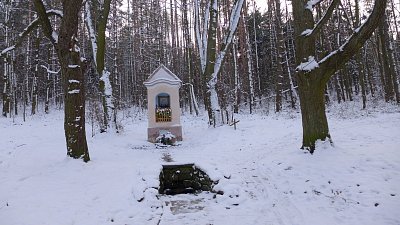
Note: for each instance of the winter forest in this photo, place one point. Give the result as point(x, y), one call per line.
point(276, 70)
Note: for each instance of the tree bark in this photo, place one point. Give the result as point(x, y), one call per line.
point(312, 99)
point(74, 107)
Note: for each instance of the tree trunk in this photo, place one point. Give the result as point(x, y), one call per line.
point(35, 76)
point(370, 77)
point(74, 107)
point(337, 88)
point(6, 80)
point(211, 96)
point(279, 57)
point(312, 99)
point(362, 80)
point(6, 89)
point(236, 78)
point(361, 67)
point(74, 92)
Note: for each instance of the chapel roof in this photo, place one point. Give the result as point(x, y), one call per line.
point(162, 75)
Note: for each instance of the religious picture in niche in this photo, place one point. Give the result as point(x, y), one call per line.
point(163, 101)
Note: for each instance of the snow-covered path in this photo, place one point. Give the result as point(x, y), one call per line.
point(265, 178)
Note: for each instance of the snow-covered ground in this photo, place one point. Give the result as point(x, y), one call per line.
point(265, 177)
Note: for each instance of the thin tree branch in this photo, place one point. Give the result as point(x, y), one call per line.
point(347, 17)
point(32, 26)
point(45, 22)
point(317, 28)
point(337, 58)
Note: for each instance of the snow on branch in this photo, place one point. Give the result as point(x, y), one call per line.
point(75, 91)
point(336, 58)
point(55, 12)
point(54, 34)
point(74, 81)
point(43, 17)
point(323, 19)
point(7, 50)
point(311, 64)
point(48, 70)
point(34, 24)
point(73, 66)
point(312, 3)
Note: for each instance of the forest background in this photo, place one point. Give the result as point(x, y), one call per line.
point(258, 73)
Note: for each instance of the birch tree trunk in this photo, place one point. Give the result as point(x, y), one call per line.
point(98, 40)
point(211, 59)
point(249, 62)
point(236, 79)
point(211, 97)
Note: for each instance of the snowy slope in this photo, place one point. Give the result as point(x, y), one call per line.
point(266, 179)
